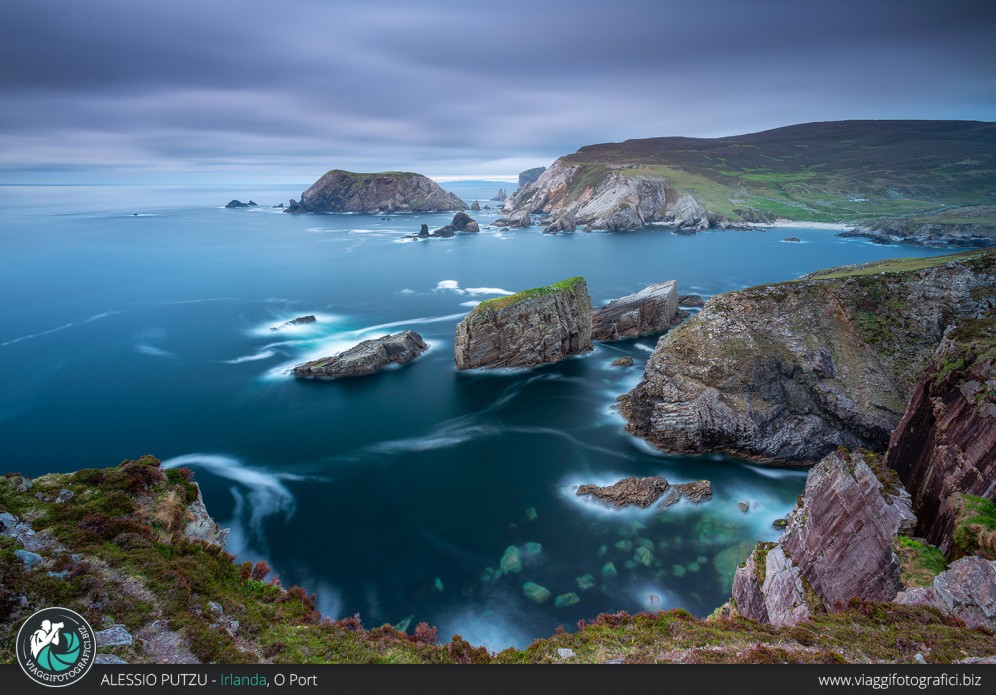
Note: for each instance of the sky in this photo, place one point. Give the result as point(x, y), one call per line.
point(254, 90)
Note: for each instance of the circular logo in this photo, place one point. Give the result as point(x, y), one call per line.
point(55, 647)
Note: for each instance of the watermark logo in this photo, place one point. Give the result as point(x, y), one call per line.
point(55, 647)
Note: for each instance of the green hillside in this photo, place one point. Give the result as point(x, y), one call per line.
point(935, 171)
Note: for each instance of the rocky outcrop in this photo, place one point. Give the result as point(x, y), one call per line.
point(945, 445)
point(201, 526)
point(423, 232)
point(639, 492)
point(475, 205)
point(966, 590)
point(691, 300)
point(520, 218)
point(651, 310)
point(906, 230)
point(597, 196)
point(240, 204)
point(501, 195)
point(643, 492)
point(538, 326)
point(788, 372)
point(299, 321)
point(368, 357)
point(838, 545)
point(391, 191)
point(462, 222)
point(529, 175)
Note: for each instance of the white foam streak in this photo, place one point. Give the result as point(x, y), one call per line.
point(153, 350)
point(265, 354)
point(95, 317)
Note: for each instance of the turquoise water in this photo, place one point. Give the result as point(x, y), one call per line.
point(136, 320)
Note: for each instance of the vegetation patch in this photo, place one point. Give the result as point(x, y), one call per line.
point(975, 527)
point(920, 562)
point(499, 303)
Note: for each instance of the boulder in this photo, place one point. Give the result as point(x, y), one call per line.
point(390, 191)
point(29, 559)
point(462, 222)
point(838, 544)
point(622, 362)
point(538, 326)
point(368, 357)
point(651, 310)
point(116, 636)
point(966, 590)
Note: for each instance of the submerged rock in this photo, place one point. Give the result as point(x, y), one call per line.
point(585, 582)
point(511, 560)
point(535, 592)
point(391, 191)
point(534, 327)
point(651, 310)
point(565, 600)
point(368, 357)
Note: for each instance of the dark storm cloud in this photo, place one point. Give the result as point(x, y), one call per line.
point(460, 87)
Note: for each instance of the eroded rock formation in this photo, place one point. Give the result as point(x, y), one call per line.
point(651, 310)
point(366, 358)
point(390, 191)
point(538, 326)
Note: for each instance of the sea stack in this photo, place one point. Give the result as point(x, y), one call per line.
point(538, 326)
point(388, 191)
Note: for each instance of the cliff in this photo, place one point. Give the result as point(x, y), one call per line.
point(879, 175)
point(838, 544)
point(538, 326)
point(945, 445)
point(388, 191)
point(790, 371)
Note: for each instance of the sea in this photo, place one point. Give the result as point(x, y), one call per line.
point(149, 320)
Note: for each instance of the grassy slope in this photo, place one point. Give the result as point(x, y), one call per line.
point(502, 302)
point(903, 265)
point(940, 171)
point(133, 566)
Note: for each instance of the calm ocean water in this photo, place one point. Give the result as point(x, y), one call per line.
point(136, 320)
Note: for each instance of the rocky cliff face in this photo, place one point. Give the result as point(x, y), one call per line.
point(597, 196)
point(529, 175)
point(368, 357)
point(788, 372)
point(392, 191)
point(945, 444)
point(910, 231)
point(838, 544)
point(530, 328)
point(651, 310)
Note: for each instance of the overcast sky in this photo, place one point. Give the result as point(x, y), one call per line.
point(252, 90)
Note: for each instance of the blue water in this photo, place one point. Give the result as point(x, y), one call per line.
point(136, 320)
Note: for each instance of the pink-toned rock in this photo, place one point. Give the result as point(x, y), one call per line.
point(966, 590)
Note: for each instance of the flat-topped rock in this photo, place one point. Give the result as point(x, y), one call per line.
point(537, 326)
point(388, 191)
point(643, 492)
point(651, 310)
point(368, 357)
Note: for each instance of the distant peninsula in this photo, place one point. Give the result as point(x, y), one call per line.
point(386, 191)
point(927, 182)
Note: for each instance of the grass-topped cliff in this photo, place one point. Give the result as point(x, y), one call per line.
point(923, 173)
point(836, 171)
point(116, 552)
point(787, 372)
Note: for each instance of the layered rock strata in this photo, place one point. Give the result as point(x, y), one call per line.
point(838, 544)
point(538, 326)
point(651, 310)
point(368, 357)
point(788, 372)
point(945, 445)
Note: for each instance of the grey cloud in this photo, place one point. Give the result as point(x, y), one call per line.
point(453, 87)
